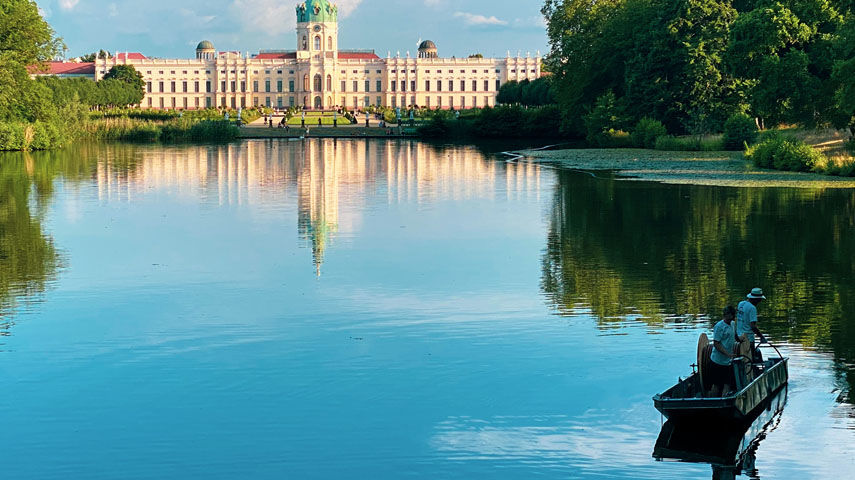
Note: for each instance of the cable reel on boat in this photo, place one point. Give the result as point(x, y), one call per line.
point(704, 350)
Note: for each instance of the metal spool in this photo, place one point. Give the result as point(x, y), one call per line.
point(704, 349)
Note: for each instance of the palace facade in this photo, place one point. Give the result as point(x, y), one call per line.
point(318, 75)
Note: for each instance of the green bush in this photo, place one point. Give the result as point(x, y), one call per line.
point(784, 153)
point(850, 146)
point(390, 117)
point(739, 130)
point(605, 118)
point(436, 127)
point(615, 139)
point(687, 144)
point(46, 135)
point(14, 136)
point(646, 131)
point(214, 130)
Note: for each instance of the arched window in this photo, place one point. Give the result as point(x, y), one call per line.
point(318, 83)
point(305, 43)
point(329, 43)
point(329, 82)
point(305, 83)
point(317, 43)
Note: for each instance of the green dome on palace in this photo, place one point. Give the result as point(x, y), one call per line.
point(205, 45)
point(318, 11)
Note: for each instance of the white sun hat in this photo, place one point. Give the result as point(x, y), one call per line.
point(756, 293)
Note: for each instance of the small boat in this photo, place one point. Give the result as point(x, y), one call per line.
point(690, 400)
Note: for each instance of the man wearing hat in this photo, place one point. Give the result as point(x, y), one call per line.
point(746, 318)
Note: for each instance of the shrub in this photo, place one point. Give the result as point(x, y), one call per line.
point(850, 146)
point(13, 136)
point(437, 127)
point(687, 144)
point(46, 135)
point(739, 130)
point(214, 130)
point(606, 116)
point(615, 139)
point(783, 153)
point(646, 131)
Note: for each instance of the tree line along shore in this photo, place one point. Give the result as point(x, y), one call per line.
point(775, 80)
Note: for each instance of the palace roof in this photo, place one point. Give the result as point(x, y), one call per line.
point(358, 56)
point(65, 68)
point(276, 55)
point(131, 56)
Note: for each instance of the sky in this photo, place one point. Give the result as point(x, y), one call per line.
point(173, 28)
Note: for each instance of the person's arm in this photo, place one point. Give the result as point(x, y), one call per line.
point(718, 346)
point(757, 332)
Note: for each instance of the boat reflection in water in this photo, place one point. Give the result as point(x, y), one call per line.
point(730, 450)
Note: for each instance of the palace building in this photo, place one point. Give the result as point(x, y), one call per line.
point(318, 75)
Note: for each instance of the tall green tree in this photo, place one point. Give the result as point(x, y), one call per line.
point(129, 75)
point(844, 76)
point(26, 40)
point(664, 58)
point(782, 50)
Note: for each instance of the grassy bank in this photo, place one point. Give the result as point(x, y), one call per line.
point(176, 130)
point(129, 125)
point(696, 168)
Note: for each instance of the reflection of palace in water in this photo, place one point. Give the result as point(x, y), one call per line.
point(333, 180)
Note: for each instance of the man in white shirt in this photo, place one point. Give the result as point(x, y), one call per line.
point(724, 349)
point(746, 320)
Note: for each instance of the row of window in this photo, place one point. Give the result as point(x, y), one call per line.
point(173, 102)
point(161, 87)
point(234, 86)
point(440, 71)
point(449, 84)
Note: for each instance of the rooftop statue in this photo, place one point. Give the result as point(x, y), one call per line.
point(317, 11)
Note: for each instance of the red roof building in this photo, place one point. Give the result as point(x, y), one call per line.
point(65, 69)
point(130, 56)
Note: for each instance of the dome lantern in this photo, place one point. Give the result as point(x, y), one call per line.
point(427, 49)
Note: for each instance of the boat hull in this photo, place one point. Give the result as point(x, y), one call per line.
point(684, 403)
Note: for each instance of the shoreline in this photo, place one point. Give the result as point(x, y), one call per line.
point(724, 169)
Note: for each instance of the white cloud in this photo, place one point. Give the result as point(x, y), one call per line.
point(113, 10)
point(68, 4)
point(474, 19)
point(346, 7)
point(272, 17)
point(530, 22)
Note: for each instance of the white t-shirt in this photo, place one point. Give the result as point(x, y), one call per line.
point(722, 333)
point(746, 313)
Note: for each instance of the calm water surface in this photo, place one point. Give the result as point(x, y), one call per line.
point(367, 309)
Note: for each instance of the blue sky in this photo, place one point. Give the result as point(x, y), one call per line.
point(172, 28)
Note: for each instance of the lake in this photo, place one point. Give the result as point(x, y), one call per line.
point(393, 309)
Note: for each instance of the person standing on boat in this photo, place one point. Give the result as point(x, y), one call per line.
point(724, 348)
point(746, 321)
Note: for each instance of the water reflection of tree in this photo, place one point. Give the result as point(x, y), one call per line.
point(28, 257)
point(650, 251)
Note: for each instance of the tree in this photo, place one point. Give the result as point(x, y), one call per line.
point(782, 50)
point(844, 76)
point(26, 40)
point(128, 74)
point(101, 54)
